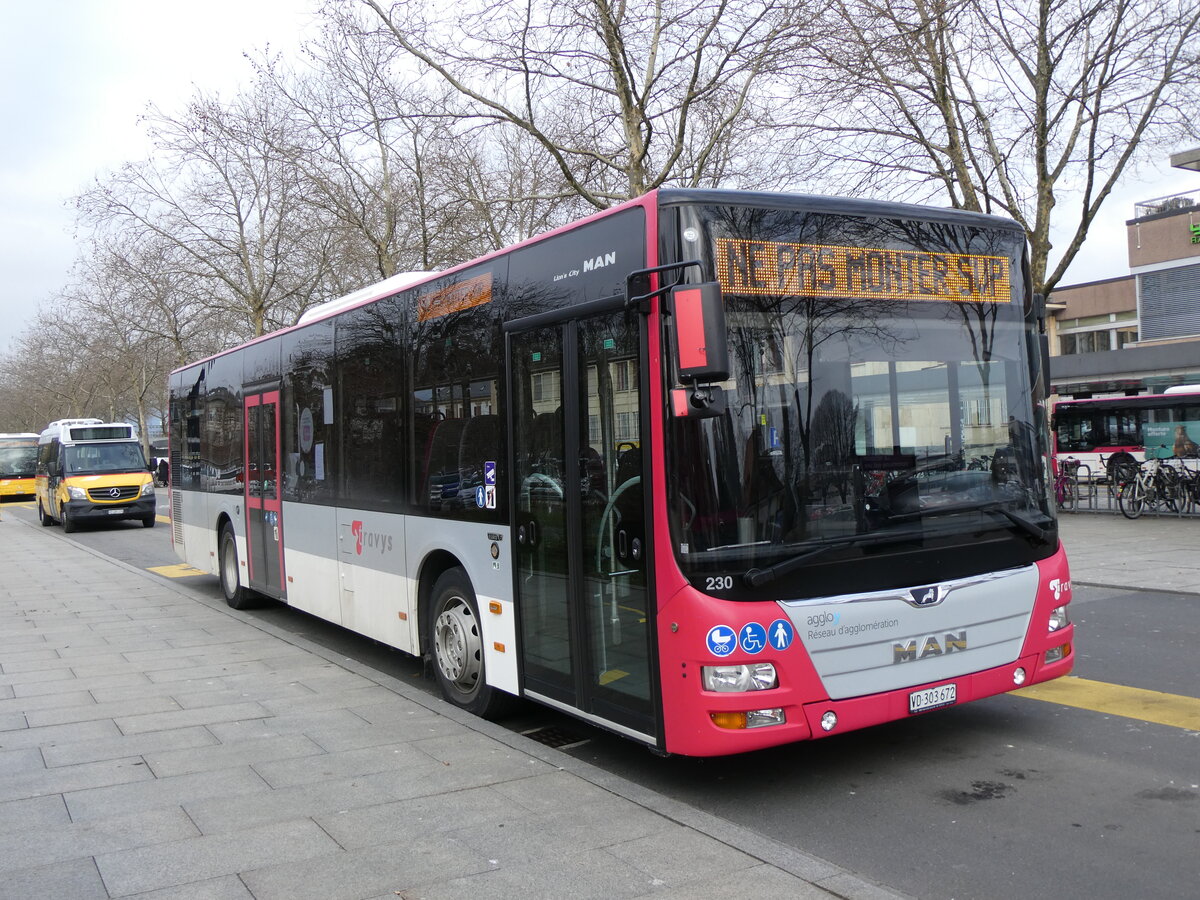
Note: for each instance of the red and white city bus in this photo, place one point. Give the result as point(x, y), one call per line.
point(714, 470)
point(1099, 433)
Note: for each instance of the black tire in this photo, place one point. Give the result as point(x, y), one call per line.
point(1121, 467)
point(456, 645)
point(149, 521)
point(46, 519)
point(237, 595)
point(68, 524)
point(1132, 500)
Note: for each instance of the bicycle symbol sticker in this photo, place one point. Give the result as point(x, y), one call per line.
point(721, 640)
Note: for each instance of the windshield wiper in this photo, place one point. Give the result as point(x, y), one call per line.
point(1026, 524)
point(759, 577)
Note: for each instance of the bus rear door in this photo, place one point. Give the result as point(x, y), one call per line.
point(264, 510)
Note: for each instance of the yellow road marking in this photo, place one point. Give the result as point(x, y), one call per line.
point(180, 570)
point(1117, 700)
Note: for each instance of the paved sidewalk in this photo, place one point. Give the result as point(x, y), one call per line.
point(1153, 553)
point(157, 744)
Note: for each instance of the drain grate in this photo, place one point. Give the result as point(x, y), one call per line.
point(556, 737)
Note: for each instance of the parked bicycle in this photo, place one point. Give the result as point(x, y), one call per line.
point(1152, 486)
point(1066, 485)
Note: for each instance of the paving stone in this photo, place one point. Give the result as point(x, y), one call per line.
point(181, 718)
point(33, 812)
point(568, 876)
point(412, 819)
point(95, 686)
point(52, 734)
point(37, 847)
point(15, 762)
point(181, 762)
point(363, 873)
point(64, 779)
point(77, 879)
point(343, 764)
point(227, 887)
point(210, 856)
point(67, 754)
point(308, 723)
point(98, 803)
point(91, 711)
point(214, 815)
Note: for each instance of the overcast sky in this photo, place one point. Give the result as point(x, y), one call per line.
point(76, 74)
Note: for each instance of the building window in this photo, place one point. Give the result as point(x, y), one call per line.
point(1084, 342)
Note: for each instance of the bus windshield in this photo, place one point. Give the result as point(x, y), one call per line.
point(99, 459)
point(18, 461)
point(880, 394)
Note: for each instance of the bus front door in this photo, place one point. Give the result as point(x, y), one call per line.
point(580, 524)
point(264, 519)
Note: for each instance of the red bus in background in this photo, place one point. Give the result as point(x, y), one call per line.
point(1102, 432)
point(713, 470)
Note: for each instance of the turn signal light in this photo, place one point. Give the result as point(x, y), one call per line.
point(729, 719)
point(754, 718)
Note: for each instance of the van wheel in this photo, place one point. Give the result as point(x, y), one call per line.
point(68, 523)
point(149, 521)
point(44, 516)
point(237, 595)
point(456, 644)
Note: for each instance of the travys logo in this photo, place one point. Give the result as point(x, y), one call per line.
point(369, 540)
point(1059, 588)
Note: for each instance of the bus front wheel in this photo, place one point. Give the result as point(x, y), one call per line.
point(456, 644)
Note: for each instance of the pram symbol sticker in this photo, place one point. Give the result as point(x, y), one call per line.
point(721, 640)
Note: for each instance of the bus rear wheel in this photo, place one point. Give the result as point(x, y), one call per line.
point(237, 595)
point(456, 644)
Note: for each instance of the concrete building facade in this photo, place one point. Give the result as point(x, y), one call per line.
point(1139, 333)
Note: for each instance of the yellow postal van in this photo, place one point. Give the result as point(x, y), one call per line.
point(89, 470)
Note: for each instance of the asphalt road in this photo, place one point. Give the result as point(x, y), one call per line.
point(1005, 797)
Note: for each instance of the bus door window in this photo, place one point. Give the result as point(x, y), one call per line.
point(613, 517)
point(540, 520)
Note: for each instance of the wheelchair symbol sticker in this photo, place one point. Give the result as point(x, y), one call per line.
point(752, 637)
point(721, 640)
point(781, 634)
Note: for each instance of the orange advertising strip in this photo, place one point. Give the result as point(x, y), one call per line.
point(455, 298)
point(769, 267)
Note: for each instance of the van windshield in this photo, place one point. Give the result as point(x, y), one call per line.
point(99, 459)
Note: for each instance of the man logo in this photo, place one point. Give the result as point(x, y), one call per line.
point(927, 596)
point(923, 648)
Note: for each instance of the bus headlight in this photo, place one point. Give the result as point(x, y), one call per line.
point(737, 679)
point(76, 493)
point(148, 489)
point(1059, 618)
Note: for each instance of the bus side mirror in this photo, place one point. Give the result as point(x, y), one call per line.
point(698, 323)
point(701, 342)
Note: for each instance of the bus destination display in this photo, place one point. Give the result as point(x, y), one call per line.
point(872, 273)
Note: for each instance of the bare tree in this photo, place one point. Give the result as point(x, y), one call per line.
point(618, 98)
point(1031, 109)
point(220, 194)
